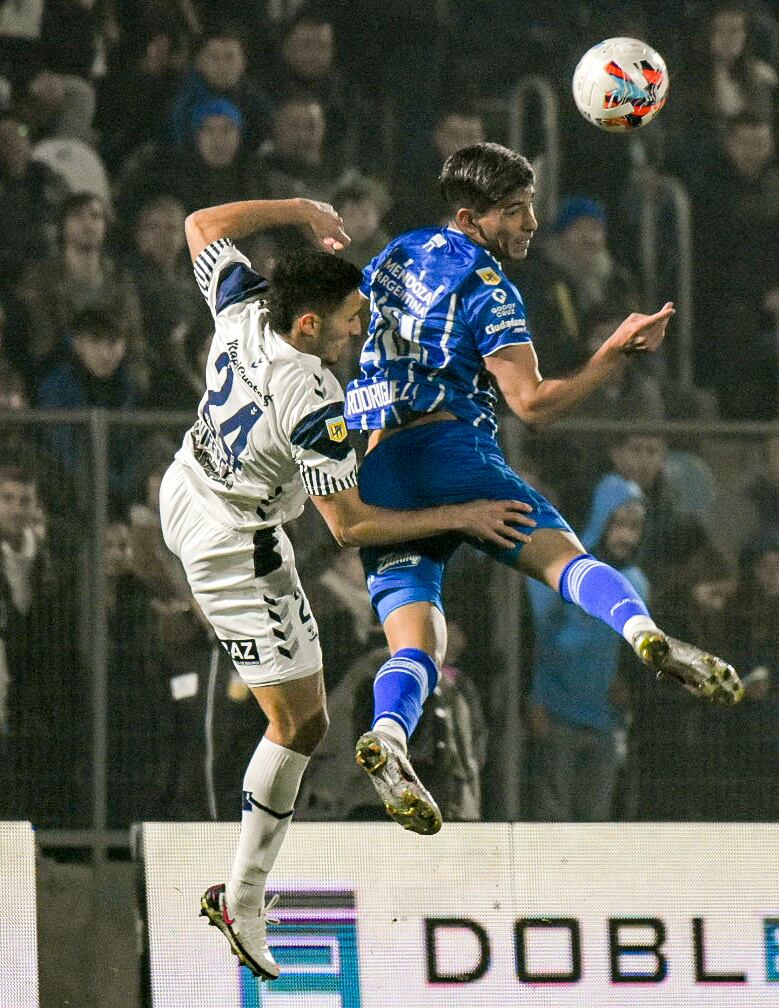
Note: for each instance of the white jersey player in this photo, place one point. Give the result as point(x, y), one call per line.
point(270, 430)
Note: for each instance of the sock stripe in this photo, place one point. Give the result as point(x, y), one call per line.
point(412, 668)
point(577, 572)
point(249, 800)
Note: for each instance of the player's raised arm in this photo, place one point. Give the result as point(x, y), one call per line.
point(319, 221)
point(537, 401)
point(355, 523)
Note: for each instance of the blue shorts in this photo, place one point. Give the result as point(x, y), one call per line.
point(449, 462)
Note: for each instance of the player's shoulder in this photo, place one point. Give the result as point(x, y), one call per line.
point(301, 380)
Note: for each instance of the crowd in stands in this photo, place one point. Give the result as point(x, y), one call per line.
point(119, 118)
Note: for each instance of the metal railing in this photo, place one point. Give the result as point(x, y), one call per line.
point(659, 193)
point(533, 86)
point(505, 623)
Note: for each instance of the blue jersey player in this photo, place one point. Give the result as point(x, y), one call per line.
point(446, 325)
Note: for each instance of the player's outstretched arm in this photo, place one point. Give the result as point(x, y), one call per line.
point(538, 401)
point(354, 523)
point(319, 221)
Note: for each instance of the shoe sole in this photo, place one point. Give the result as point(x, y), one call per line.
point(720, 683)
point(408, 804)
point(215, 919)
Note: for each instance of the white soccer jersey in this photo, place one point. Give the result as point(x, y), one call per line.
point(270, 426)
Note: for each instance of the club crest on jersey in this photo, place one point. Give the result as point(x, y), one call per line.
point(336, 428)
point(489, 276)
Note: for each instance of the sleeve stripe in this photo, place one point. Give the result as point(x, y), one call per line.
point(319, 484)
point(527, 338)
point(204, 264)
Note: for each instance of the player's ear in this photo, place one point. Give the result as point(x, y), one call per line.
point(464, 219)
point(309, 323)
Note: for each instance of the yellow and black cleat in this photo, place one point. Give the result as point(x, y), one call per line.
point(405, 797)
point(700, 673)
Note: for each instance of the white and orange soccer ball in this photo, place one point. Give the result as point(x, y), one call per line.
point(620, 84)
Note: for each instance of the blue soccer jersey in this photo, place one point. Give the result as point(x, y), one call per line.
point(440, 304)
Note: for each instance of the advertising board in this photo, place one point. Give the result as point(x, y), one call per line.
point(621, 914)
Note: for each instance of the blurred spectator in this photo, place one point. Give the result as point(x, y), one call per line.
point(307, 68)
point(569, 276)
point(93, 374)
point(212, 164)
point(363, 203)
point(30, 195)
point(40, 678)
point(718, 78)
point(77, 163)
point(81, 275)
point(448, 745)
point(337, 594)
point(169, 299)
point(219, 73)
point(736, 216)
point(294, 163)
point(185, 644)
point(677, 499)
point(573, 719)
point(139, 715)
point(415, 193)
point(745, 786)
point(180, 384)
point(630, 393)
point(15, 438)
point(59, 106)
point(671, 729)
point(763, 492)
point(135, 95)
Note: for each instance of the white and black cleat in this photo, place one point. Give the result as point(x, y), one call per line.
point(246, 933)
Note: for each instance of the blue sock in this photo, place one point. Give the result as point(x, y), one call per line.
point(402, 685)
point(601, 591)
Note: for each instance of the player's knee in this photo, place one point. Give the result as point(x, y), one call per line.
point(305, 730)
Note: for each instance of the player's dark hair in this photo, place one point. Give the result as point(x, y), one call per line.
point(482, 175)
point(308, 281)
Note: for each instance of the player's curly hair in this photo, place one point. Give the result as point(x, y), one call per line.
point(308, 281)
point(482, 175)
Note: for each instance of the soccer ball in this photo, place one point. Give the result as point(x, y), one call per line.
point(620, 84)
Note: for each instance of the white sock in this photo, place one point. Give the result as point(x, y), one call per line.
point(636, 625)
point(390, 728)
point(270, 786)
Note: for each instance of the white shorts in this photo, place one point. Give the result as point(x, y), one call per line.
point(247, 586)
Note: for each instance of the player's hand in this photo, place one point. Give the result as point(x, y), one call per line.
point(642, 333)
point(325, 226)
point(496, 521)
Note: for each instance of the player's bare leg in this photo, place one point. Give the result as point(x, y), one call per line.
point(414, 630)
point(558, 559)
point(297, 722)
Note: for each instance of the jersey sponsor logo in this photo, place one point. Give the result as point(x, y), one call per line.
point(336, 428)
point(394, 560)
point(396, 278)
point(489, 276)
point(499, 295)
point(511, 323)
point(242, 651)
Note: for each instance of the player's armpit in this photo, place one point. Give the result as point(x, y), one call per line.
point(354, 523)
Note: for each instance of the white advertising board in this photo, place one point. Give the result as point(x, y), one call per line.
point(627, 915)
point(18, 926)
